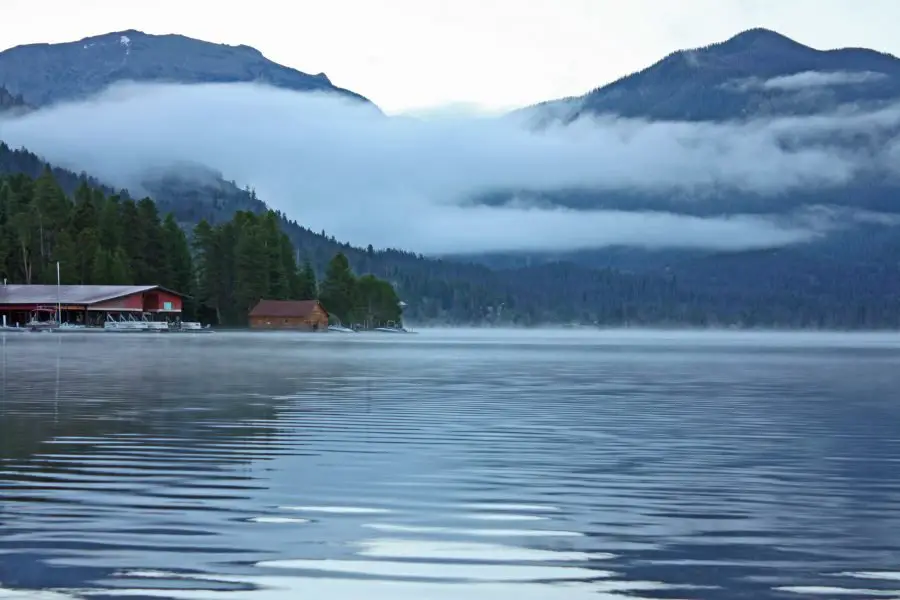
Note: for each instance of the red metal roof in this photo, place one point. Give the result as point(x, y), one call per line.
point(285, 308)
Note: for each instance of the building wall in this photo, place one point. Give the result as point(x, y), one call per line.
point(320, 317)
point(151, 301)
point(160, 300)
point(317, 320)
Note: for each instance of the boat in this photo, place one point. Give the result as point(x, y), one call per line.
point(52, 323)
point(339, 328)
point(38, 324)
point(392, 327)
point(190, 327)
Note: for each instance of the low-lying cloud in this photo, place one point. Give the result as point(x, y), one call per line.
point(407, 182)
point(806, 80)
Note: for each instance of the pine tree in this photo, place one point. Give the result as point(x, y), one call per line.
point(84, 215)
point(337, 292)
point(118, 268)
point(306, 287)
point(51, 210)
point(178, 273)
point(280, 269)
point(100, 270)
point(153, 266)
point(133, 239)
point(109, 227)
point(251, 272)
point(83, 194)
point(377, 300)
point(6, 235)
point(85, 254)
point(66, 254)
point(23, 225)
point(207, 276)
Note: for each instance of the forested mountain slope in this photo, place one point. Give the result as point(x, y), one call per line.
point(760, 87)
point(11, 104)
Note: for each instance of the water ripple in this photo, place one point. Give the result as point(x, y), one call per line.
point(449, 465)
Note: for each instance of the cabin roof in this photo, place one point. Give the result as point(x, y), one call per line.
point(71, 294)
point(285, 308)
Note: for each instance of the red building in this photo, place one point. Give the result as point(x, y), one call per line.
point(89, 304)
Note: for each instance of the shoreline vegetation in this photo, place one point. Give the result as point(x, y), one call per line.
point(224, 269)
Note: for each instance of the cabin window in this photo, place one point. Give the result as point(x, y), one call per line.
point(167, 306)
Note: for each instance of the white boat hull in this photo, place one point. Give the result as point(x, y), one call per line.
point(133, 326)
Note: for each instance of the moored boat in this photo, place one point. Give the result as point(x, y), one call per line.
point(190, 327)
point(38, 324)
point(392, 327)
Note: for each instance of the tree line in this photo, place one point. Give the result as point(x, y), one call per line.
point(101, 238)
point(95, 238)
point(249, 257)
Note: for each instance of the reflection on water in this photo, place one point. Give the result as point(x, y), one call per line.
point(449, 465)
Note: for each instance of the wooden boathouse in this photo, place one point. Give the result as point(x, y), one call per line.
point(303, 315)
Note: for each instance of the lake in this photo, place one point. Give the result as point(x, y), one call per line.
point(467, 465)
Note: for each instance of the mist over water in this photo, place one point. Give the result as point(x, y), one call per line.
point(449, 465)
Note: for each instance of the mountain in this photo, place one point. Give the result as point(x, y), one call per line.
point(755, 73)
point(12, 104)
point(48, 73)
point(755, 76)
point(758, 75)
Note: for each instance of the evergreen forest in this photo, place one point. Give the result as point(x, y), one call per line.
point(101, 238)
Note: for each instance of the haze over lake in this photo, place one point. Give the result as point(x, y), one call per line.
point(453, 464)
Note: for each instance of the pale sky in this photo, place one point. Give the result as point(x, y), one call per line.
point(411, 55)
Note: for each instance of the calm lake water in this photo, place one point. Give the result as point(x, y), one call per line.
point(450, 465)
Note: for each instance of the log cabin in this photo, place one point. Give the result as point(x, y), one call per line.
point(296, 315)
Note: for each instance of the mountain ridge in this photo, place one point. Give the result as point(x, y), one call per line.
point(754, 76)
point(45, 73)
point(705, 72)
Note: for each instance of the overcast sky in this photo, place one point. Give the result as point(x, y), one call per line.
point(409, 55)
